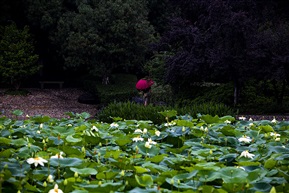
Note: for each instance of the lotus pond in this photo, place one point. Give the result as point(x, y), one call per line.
point(184, 154)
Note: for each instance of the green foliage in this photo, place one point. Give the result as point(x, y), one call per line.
point(121, 88)
point(21, 92)
point(17, 57)
point(129, 110)
point(104, 35)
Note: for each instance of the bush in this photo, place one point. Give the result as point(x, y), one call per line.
point(133, 111)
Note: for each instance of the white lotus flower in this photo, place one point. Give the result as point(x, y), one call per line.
point(41, 126)
point(245, 139)
point(36, 161)
point(114, 125)
point(250, 119)
point(158, 133)
point(58, 156)
point(138, 138)
point(277, 139)
point(148, 145)
point(50, 178)
point(204, 129)
point(151, 141)
point(274, 134)
point(247, 154)
point(55, 190)
point(241, 167)
point(94, 128)
point(138, 131)
point(274, 120)
point(242, 118)
point(145, 131)
point(227, 121)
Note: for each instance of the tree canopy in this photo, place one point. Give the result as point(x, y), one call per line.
point(17, 57)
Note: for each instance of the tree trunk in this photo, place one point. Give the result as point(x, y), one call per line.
point(105, 79)
point(236, 92)
point(279, 94)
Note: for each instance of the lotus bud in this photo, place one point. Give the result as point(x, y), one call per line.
point(41, 126)
point(99, 183)
point(122, 173)
point(183, 129)
point(5, 166)
point(172, 181)
point(65, 182)
point(18, 191)
point(44, 184)
point(76, 175)
point(83, 149)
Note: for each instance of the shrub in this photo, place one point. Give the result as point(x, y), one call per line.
point(133, 111)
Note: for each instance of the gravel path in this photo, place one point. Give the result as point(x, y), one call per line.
point(50, 102)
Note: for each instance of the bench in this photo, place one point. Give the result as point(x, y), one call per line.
point(60, 83)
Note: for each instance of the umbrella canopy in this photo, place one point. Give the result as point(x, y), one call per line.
point(143, 84)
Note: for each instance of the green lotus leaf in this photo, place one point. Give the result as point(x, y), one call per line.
point(72, 139)
point(266, 128)
point(229, 130)
point(270, 163)
point(186, 176)
point(104, 187)
point(28, 187)
point(66, 162)
point(256, 175)
point(84, 171)
point(19, 142)
point(147, 190)
point(108, 175)
point(144, 180)
point(157, 158)
point(207, 166)
point(169, 113)
point(40, 119)
point(184, 123)
point(233, 175)
point(17, 112)
point(210, 119)
point(155, 168)
point(209, 176)
point(140, 169)
point(55, 140)
point(227, 117)
point(113, 154)
point(71, 151)
point(79, 191)
point(178, 184)
point(249, 163)
point(123, 140)
point(153, 151)
point(262, 187)
point(279, 149)
point(61, 130)
point(26, 151)
point(4, 140)
point(7, 153)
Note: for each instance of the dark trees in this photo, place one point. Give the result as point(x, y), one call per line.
point(213, 43)
point(17, 58)
point(99, 36)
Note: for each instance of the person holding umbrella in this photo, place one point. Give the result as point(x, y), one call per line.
point(144, 86)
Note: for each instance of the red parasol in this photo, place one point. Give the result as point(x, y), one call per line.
point(143, 84)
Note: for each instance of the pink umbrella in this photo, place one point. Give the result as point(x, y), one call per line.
point(143, 84)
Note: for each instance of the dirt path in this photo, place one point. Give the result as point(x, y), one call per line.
point(51, 102)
